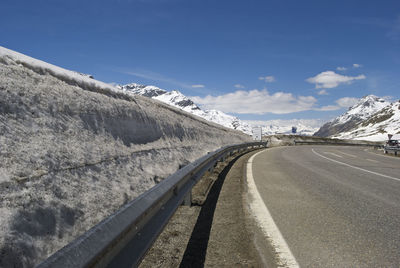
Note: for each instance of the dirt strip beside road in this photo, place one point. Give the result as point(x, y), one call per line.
point(216, 231)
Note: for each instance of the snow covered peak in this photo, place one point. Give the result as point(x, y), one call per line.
point(377, 126)
point(361, 120)
point(305, 127)
point(367, 106)
point(177, 99)
point(364, 108)
point(147, 91)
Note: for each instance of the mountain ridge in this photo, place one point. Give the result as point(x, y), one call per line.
point(177, 99)
point(371, 118)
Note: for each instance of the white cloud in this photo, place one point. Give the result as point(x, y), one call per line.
point(239, 86)
point(328, 108)
point(341, 68)
point(198, 86)
point(346, 102)
point(330, 79)
point(356, 65)
point(323, 92)
point(268, 78)
point(257, 102)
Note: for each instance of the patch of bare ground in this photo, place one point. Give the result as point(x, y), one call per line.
point(214, 231)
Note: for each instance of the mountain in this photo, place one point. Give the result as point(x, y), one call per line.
point(377, 126)
point(371, 118)
point(287, 129)
point(177, 99)
point(147, 91)
point(305, 127)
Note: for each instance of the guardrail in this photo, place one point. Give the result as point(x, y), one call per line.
point(387, 149)
point(122, 239)
point(335, 143)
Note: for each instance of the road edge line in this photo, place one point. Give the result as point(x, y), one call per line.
point(265, 221)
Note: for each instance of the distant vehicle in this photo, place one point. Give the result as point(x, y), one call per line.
point(393, 141)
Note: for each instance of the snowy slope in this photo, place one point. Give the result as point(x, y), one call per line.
point(361, 111)
point(73, 150)
point(376, 126)
point(177, 99)
point(8, 56)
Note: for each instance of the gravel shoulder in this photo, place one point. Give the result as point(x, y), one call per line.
point(215, 231)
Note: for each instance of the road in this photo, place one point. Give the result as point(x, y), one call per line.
point(335, 206)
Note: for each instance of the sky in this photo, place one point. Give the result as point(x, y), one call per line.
point(258, 60)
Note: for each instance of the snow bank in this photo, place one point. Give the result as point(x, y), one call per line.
point(73, 150)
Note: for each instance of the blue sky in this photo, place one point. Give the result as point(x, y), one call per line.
point(259, 60)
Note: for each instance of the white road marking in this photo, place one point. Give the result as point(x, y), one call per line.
point(391, 157)
point(266, 222)
point(372, 160)
point(347, 154)
point(365, 170)
point(333, 154)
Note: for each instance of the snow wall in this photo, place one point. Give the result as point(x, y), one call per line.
point(73, 150)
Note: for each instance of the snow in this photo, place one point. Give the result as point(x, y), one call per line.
point(363, 109)
point(305, 127)
point(74, 150)
point(83, 80)
point(177, 99)
point(137, 89)
point(377, 122)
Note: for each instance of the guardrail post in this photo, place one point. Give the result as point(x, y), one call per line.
point(187, 200)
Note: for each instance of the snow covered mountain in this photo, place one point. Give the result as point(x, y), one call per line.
point(147, 91)
point(371, 118)
point(177, 99)
point(377, 126)
point(306, 127)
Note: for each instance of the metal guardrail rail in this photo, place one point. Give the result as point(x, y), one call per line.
point(122, 239)
point(335, 143)
point(395, 149)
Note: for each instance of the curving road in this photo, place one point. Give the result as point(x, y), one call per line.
point(335, 206)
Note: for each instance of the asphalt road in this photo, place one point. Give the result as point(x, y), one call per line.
point(335, 206)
